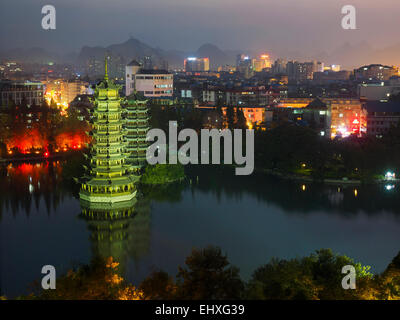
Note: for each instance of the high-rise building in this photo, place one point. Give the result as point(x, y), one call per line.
point(261, 63)
point(147, 63)
point(244, 66)
point(93, 66)
point(108, 179)
point(71, 89)
point(240, 58)
point(193, 64)
point(301, 71)
point(279, 66)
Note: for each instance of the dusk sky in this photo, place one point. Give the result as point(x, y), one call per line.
point(295, 25)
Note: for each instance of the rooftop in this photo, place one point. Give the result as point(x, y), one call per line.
point(152, 71)
point(134, 63)
point(317, 104)
point(379, 106)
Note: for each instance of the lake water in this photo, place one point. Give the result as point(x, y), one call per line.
point(251, 218)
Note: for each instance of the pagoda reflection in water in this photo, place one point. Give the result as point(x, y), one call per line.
point(121, 231)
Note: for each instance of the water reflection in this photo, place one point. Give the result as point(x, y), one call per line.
point(121, 231)
point(296, 197)
point(283, 219)
point(24, 184)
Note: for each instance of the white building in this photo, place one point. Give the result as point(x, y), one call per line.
point(130, 71)
point(150, 83)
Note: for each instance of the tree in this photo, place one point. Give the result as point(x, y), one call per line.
point(97, 281)
point(230, 117)
point(315, 277)
point(209, 276)
point(158, 286)
point(387, 285)
point(219, 114)
point(162, 173)
point(241, 122)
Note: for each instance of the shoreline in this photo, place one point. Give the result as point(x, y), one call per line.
point(37, 158)
point(290, 176)
point(164, 183)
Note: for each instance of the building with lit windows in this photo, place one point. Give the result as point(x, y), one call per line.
point(334, 117)
point(237, 97)
point(71, 89)
point(279, 66)
point(260, 63)
point(381, 117)
point(18, 91)
point(193, 64)
point(348, 116)
point(380, 91)
point(148, 82)
point(302, 71)
point(244, 66)
point(375, 72)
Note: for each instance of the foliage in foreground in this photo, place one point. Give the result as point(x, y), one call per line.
point(208, 275)
point(97, 281)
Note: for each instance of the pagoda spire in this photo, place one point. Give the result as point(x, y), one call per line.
point(106, 69)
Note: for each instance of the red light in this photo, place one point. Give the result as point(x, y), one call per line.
point(46, 154)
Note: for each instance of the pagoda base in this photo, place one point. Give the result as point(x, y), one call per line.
point(106, 199)
point(104, 208)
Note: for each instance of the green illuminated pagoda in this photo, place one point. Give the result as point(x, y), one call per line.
point(108, 179)
point(136, 128)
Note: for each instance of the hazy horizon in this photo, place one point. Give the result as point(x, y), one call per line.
point(308, 27)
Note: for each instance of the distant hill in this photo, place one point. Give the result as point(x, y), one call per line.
point(132, 48)
point(216, 55)
point(348, 55)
